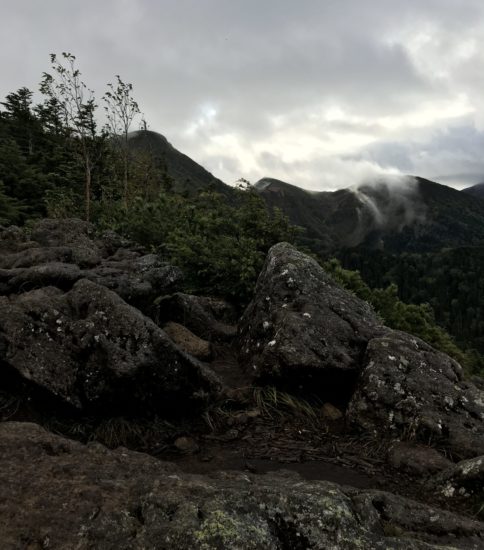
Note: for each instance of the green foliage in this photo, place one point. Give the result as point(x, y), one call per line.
point(220, 246)
point(63, 202)
point(450, 280)
point(53, 158)
point(121, 110)
point(77, 106)
point(11, 211)
point(414, 319)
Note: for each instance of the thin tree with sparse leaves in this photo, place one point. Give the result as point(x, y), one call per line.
point(121, 109)
point(77, 107)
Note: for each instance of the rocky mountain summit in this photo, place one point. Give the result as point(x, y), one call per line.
point(100, 347)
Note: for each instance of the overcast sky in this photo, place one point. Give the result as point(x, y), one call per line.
point(319, 93)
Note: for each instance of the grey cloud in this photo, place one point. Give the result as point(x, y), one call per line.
point(256, 63)
point(452, 155)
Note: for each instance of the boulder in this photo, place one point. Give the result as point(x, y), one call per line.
point(77, 234)
point(61, 252)
point(139, 281)
point(302, 326)
point(58, 493)
point(304, 332)
point(462, 480)
point(409, 390)
point(91, 350)
point(188, 342)
point(209, 318)
point(417, 460)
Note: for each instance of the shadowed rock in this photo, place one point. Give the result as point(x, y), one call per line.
point(60, 252)
point(90, 349)
point(301, 325)
point(415, 459)
point(408, 389)
point(462, 480)
point(188, 342)
point(209, 318)
point(58, 493)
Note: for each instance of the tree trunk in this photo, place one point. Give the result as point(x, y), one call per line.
point(88, 190)
point(125, 173)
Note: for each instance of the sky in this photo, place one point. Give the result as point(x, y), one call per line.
point(323, 94)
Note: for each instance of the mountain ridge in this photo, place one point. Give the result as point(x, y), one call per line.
point(394, 214)
point(475, 190)
point(187, 175)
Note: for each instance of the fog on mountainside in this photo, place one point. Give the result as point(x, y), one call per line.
point(395, 214)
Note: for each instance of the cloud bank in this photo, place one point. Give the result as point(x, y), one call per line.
point(320, 94)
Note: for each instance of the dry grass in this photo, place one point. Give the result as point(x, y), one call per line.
point(274, 403)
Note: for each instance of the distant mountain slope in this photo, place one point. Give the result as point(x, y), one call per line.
point(188, 176)
point(476, 190)
point(322, 214)
point(411, 215)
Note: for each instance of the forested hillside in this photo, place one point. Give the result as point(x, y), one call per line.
point(450, 281)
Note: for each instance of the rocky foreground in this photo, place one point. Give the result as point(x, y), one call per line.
point(93, 328)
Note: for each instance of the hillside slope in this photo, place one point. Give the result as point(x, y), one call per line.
point(475, 191)
point(413, 214)
point(187, 175)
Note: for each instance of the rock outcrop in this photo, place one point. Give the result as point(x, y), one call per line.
point(91, 350)
point(302, 326)
point(409, 390)
point(71, 322)
point(75, 336)
point(58, 493)
point(61, 252)
point(303, 330)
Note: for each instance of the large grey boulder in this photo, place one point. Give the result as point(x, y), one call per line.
point(76, 234)
point(409, 390)
point(301, 323)
point(90, 349)
point(139, 281)
point(58, 493)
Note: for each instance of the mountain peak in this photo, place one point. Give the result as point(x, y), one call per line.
point(187, 175)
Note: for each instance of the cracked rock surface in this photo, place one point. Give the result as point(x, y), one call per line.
point(61, 252)
point(409, 390)
point(90, 349)
point(58, 493)
point(301, 321)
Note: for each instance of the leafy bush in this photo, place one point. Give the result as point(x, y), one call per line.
point(219, 243)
